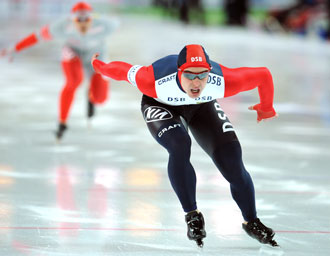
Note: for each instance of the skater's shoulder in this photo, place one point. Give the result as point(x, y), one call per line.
point(61, 26)
point(109, 22)
point(216, 68)
point(165, 66)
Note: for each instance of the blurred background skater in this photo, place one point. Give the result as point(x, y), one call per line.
point(302, 17)
point(236, 12)
point(327, 31)
point(186, 10)
point(82, 35)
point(191, 8)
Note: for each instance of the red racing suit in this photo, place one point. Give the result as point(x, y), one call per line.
point(77, 51)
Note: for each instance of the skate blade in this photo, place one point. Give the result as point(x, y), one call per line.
point(199, 243)
point(273, 243)
point(58, 139)
point(268, 249)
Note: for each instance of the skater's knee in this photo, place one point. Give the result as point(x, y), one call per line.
point(98, 98)
point(72, 84)
point(228, 155)
point(74, 81)
point(180, 148)
point(176, 141)
point(73, 73)
point(228, 159)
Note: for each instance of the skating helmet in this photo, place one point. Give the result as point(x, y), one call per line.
point(193, 55)
point(81, 7)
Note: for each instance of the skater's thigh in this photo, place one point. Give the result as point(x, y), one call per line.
point(163, 122)
point(211, 127)
point(72, 67)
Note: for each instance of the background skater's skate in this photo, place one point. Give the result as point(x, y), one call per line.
point(90, 113)
point(59, 133)
point(259, 231)
point(90, 110)
point(195, 227)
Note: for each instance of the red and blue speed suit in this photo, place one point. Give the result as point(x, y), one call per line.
point(169, 113)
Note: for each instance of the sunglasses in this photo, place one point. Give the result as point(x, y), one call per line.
point(82, 19)
point(192, 76)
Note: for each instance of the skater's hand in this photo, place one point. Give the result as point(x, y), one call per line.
point(263, 115)
point(7, 53)
point(94, 57)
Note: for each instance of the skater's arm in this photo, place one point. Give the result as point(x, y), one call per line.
point(140, 76)
point(44, 34)
point(26, 42)
point(245, 79)
point(116, 69)
point(33, 39)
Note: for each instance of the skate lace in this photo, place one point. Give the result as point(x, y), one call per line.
point(195, 224)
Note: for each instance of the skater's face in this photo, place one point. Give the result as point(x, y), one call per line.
point(193, 80)
point(82, 23)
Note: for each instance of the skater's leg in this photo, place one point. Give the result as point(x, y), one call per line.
point(73, 72)
point(98, 92)
point(228, 160)
point(167, 129)
point(215, 134)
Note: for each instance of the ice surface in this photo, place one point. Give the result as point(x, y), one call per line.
point(105, 190)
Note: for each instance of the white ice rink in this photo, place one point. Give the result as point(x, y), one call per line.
point(104, 190)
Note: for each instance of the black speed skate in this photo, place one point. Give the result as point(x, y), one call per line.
point(90, 109)
point(196, 227)
point(259, 231)
point(60, 131)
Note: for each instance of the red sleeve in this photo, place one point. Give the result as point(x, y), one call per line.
point(32, 39)
point(118, 70)
point(26, 42)
point(245, 79)
point(145, 81)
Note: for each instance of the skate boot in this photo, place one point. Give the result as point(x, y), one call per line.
point(259, 231)
point(90, 110)
point(196, 227)
point(61, 129)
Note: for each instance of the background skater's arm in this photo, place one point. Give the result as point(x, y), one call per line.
point(245, 79)
point(140, 76)
point(26, 42)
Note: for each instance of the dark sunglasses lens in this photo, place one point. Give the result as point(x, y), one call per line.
point(189, 76)
point(192, 76)
point(82, 19)
point(203, 75)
